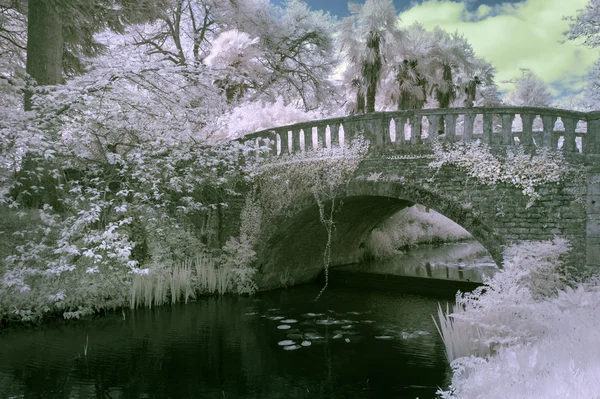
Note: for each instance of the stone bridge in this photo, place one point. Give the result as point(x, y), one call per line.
point(396, 174)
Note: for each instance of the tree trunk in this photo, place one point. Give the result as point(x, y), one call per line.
point(360, 103)
point(372, 70)
point(44, 46)
point(371, 93)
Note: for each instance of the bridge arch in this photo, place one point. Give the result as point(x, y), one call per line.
point(294, 252)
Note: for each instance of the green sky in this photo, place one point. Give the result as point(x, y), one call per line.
point(513, 36)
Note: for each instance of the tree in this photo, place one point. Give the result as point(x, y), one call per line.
point(586, 25)
point(529, 91)
point(448, 55)
point(44, 45)
point(294, 47)
point(59, 32)
point(13, 34)
point(428, 67)
point(367, 37)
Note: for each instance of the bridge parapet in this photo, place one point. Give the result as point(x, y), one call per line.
point(569, 131)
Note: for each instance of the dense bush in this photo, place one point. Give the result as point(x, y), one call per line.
point(527, 326)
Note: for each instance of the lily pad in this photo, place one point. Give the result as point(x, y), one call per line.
point(286, 342)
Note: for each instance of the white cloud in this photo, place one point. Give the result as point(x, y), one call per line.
point(513, 36)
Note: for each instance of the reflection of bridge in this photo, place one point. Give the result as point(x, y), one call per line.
point(398, 156)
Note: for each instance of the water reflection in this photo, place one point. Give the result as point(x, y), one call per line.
point(468, 261)
point(364, 344)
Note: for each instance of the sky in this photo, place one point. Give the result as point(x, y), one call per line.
point(511, 34)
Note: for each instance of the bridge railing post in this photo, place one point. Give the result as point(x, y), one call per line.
point(321, 136)
point(469, 121)
point(296, 143)
point(284, 140)
point(507, 133)
point(334, 135)
point(416, 126)
point(434, 126)
point(591, 143)
point(450, 129)
point(548, 139)
point(569, 144)
point(270, 142)
point(488, 128)
point(526, 138)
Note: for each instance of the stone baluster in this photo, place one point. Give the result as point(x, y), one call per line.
point(527, 134)
point(378, 130)
point(415, 129)
point(548, 139)
point(255, 144)
point(269, 140)
point(450, 127)
point(468, 129)
point(334, 135)
point(351, 129)
point(591, 141)
point(296, 144)
point(434, 127)
point(400, 121)
point(569, 144)
point(488, 128)
point(321, 136)
point(384, 135)
point(284, 138)
point(387, 139)
point(507, 133)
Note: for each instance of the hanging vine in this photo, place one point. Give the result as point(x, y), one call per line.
point(320, 174)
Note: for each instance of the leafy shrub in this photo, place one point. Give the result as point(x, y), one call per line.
point(237, 257)
point(526, 326)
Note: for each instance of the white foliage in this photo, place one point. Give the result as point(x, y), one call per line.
point(521, 331)
point(517, 168)
point(529, 91)
point(258, 115)
point(412, 226)
point(236, 51)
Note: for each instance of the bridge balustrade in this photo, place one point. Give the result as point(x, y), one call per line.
point(568, 131)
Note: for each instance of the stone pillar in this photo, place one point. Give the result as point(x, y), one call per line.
point(591, 141)
point(468, 130)
point(507, 133)
point(593, 220)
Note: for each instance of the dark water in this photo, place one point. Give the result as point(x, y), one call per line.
point(363, 344)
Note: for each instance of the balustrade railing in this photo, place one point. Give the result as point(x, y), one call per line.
point(568, 131)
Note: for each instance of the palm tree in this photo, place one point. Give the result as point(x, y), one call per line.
point(449, 55)
point(367, 37)
point(412, 85)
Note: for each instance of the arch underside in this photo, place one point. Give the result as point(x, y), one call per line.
point(295, 252)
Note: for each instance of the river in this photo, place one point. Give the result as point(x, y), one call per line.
point(351, 343)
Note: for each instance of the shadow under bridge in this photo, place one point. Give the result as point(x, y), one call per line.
point(295, 253)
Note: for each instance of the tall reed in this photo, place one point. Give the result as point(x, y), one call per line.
point(461, 338)
point(162, 286)
point(211, 276)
